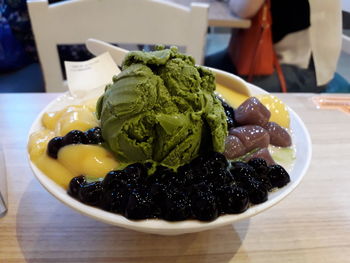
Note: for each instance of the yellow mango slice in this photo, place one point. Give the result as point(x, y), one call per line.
point(75, 117)
point(279, 110)
point(231, 97)
point(54, 170)
point(50, 119)
point(90, 160)
point(38, 143)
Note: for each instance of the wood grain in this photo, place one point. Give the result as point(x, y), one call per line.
point(311, 225)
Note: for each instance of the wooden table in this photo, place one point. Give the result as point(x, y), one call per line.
point(219, 14)
point(311, 225)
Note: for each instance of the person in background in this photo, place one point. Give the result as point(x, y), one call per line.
point(307, 40)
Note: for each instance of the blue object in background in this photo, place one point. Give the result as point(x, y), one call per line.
point(12, 54)
point(338, 85)
point(27, 79)
point(19, 68)
point(17, 47)
point(19, 71)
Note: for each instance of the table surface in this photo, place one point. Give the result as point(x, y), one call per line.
point(311, 225)
point(219, 13)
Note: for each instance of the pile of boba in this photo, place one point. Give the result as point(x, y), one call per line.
point(204, 189)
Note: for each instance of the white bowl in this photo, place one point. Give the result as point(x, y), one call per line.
point(301, 140)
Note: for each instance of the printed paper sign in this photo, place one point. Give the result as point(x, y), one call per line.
point(85, 76)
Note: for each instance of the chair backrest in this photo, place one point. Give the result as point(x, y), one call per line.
point(116, 21)
point(345, 38)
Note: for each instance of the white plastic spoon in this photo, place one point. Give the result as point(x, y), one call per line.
point(98, 47)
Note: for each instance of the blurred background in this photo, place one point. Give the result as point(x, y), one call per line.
point(20, 70)
point(218, 38)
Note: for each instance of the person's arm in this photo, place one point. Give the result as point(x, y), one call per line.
point(245, 8)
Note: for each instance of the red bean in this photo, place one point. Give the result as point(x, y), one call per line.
point(252, 111)
point(252, 136)
point(262, 153)
point(233, 147)
point(278, 135)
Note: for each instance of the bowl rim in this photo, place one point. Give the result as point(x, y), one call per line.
point(160, 226)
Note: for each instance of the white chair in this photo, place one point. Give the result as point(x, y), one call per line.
point(345, 38)
point(116, 21)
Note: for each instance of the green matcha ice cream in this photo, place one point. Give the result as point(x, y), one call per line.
point(161, 107)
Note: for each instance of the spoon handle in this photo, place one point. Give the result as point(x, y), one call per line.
point(98, 47)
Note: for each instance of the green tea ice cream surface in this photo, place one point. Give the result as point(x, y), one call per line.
point(161, 107)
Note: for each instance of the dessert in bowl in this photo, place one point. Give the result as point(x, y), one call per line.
point(169, 162)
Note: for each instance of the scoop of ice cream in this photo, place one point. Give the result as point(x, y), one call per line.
point(161, 107)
